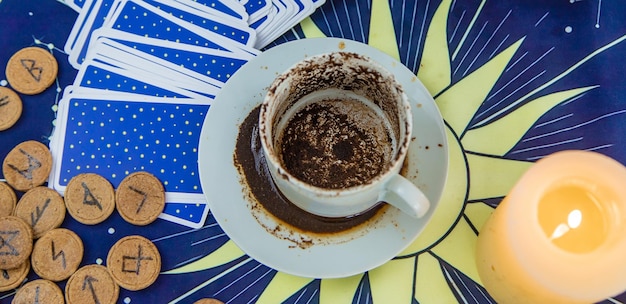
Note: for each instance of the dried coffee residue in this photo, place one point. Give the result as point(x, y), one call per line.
point(336, 144)
point(250, 161)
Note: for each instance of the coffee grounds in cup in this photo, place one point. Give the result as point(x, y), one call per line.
point(335, 144)
point(252, 167)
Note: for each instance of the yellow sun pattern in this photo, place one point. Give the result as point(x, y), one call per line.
point(416, 273)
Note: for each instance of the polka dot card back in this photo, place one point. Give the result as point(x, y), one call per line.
point(117, 136)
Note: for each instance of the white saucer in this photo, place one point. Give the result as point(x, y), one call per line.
point(341, 255)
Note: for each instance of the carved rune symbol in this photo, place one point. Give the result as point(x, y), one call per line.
point(61, 254)
point(38, 213)
point(134, 262)
point(144, 197)
point(36, 295)
point(4, 100)
point(33, 163)
point(34, 71)
point(5, 242)
point(88, 282)
point(89, 198)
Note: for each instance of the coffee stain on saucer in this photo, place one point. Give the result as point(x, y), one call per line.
point(275, 213)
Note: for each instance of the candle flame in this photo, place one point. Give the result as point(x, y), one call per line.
point(574, 219)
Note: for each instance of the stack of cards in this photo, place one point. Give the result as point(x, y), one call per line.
point(148, 71)
point(272, 18)
point(269, 18)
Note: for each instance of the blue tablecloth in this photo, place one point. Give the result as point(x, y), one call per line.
point(515, 81)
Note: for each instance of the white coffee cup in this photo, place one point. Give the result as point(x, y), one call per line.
point(335, 129)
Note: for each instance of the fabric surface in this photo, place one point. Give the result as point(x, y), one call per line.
point(514, 80)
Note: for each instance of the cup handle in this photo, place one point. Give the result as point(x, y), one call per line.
point(404, 195)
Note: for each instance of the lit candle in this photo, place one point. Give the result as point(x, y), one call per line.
point(559, 236)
